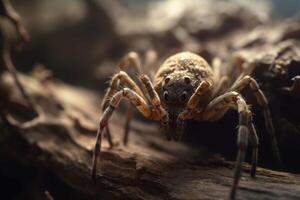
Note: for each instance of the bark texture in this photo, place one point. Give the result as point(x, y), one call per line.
point(149, 168)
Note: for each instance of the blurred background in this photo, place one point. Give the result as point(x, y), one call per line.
point(81, 40)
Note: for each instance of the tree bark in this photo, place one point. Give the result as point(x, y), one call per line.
point(148, 168)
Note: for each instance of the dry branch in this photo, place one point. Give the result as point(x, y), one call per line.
point(150, 168)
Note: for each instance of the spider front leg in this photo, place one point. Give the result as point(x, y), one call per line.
point(216, 109)
point(192, 103)
point(132, 59)
point(137, 101)
point(263, 103)
point(156, 103)
point(120, 78)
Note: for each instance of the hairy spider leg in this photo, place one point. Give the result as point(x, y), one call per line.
point(135, 100)
point(192, 103)
point(215, 110)
point(263, 103)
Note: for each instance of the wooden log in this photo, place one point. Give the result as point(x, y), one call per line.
point(149, 168)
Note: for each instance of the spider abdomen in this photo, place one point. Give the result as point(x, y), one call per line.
point(184, 64)
point(181, 73)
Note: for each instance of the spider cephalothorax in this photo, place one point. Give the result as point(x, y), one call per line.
point(186, 87)
point(175, 82)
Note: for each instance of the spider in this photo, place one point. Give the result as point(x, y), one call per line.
point(187, 87)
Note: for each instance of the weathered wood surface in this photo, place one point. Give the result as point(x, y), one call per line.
point(149, 168)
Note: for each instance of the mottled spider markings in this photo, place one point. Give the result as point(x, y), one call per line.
point(186, 87)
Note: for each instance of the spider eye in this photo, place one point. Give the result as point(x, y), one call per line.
point(187, 80)
point(167, 79)
point(183, 96)
point(166, 95)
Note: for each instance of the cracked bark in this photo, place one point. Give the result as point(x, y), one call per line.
point(149, 168)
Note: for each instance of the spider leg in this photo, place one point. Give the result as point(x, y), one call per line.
point(156, 103)
point(132, 59)
point(222, 81)
point(236, 101)
point(222, 86)
point(194, 99)
point(150, 62)
point(127, 123)
point(136, 100)
point(217, 68)
point(263, 102)
point(192, 103)
point(109, 137)
point(121, 78)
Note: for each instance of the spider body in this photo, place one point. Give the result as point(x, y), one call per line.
point(186, 87)
point(175, 82)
